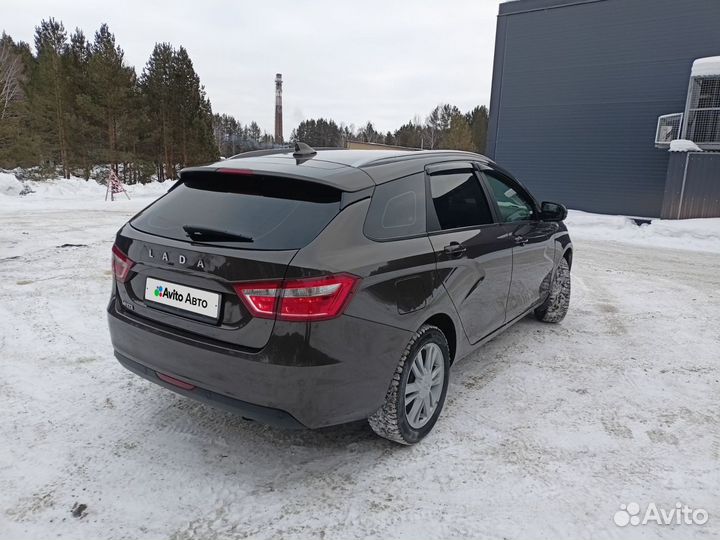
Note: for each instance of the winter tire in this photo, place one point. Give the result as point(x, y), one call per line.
point(556, 306)
point(417, 392)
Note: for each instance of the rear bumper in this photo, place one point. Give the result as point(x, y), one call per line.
point(264, 415)
point(309, 374)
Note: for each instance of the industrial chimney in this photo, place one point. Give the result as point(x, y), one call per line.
point(278, 109)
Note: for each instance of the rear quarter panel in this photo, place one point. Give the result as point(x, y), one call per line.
point(399, 284)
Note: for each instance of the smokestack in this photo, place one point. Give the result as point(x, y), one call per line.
point(278, 109)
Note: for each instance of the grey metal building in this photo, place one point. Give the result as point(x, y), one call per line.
point(578, 86)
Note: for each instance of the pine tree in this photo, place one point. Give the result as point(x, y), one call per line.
point(155, 84)
point(192, 115)
point(254, 132)
point(111, 86)
point(202, 149)
point(478, 121)
point(179, 110)
point(458, 135)
point(409, 135)
point(49, 95)
point(318, 133)
point(81, 135)
point(437, 125)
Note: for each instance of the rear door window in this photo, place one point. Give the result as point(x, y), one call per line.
point(459, 200)
point(248, 212)
point(397, 209)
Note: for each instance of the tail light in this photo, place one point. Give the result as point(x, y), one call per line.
point(121, 265)
point(313, 299)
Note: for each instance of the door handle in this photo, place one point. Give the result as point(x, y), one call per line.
point(454, 249)
point(520, 240)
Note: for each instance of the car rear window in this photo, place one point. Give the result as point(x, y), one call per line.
point(242, 211)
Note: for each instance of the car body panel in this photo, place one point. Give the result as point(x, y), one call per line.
point(297, 371)
point(160, 258)
point(328, 372)
point(532, 264)
point(477, 281)
point(533, 252)
point(389, 271)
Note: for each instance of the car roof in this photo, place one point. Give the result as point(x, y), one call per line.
point(349, 170)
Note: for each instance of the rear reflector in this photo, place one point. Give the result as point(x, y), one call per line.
point(312, 299)
point(172, 380)
point(121, 265)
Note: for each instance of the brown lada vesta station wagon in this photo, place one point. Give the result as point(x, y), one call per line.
point(313, 288)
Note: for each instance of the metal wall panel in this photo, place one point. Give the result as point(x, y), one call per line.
point(674, 184)
point(577, 91)
point(701, 196)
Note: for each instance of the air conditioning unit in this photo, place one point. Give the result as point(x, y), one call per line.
point(701, 121)
point(668, 129)
point(702, 111)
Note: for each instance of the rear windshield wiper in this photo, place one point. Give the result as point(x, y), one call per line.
point(205, 234)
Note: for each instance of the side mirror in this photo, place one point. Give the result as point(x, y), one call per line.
point(550, 211)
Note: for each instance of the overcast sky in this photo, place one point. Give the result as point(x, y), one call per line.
point(384, 61)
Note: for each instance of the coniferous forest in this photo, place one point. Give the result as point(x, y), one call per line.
point(74, 103)
point(70, 105)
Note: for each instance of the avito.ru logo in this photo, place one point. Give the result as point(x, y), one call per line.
point(172, 294)
point(680, 514)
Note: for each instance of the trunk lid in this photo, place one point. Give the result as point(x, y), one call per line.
point(213, 231)
point(206, 268)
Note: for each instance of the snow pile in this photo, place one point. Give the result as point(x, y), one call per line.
point(67, 188)
point(683, 145)
point(74, 193)
point(694, 234)
point(81, 189)
point(706, 67)
point(9, 185)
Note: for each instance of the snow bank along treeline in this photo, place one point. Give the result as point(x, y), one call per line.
point(695, 234)
point(70, 191)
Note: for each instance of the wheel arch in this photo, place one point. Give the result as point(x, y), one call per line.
point(446, 325)
point(568, 256)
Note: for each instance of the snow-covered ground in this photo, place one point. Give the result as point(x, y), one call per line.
point(547, 429)
point(688, 234)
